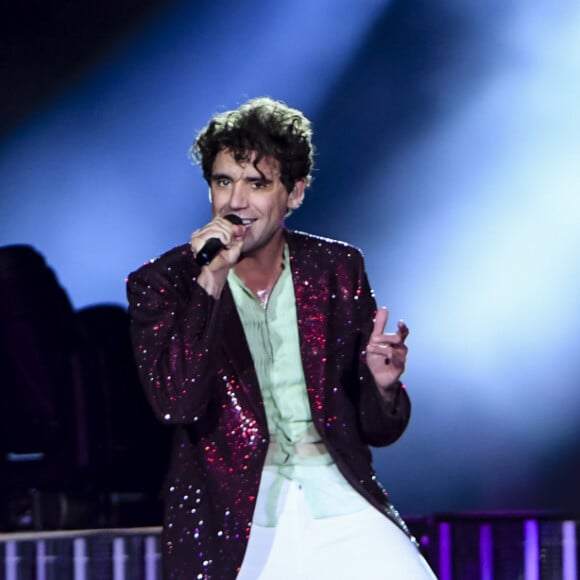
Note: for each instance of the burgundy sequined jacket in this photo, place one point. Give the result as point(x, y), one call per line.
point(196, 367)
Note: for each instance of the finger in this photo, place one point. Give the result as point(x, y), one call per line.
point(383, 348)
point(195, 241)
point(217, 228)
point(381, 318)
point(377, 348)
point(237, 234)
point(389, 338)
point(223, 228)
point(402, 330)
point(399, 356)
point(234, 232)
point(395, 355)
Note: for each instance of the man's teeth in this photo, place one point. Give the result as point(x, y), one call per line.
point(247, 221)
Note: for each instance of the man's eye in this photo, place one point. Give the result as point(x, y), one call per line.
point(258, 184)
point(222, 182)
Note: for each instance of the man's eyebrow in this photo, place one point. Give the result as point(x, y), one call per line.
point(259, 179)
point(250, 178)
point(217, 176)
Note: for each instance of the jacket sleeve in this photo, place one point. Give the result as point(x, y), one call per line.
point(381, 422)
point(173, 323)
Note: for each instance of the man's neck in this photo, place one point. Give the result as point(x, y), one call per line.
point(260, 270)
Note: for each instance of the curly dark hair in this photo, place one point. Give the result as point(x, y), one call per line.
point(265, 126)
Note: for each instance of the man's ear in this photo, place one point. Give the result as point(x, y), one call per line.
point(296, 196)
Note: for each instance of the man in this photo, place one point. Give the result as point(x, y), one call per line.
point(266, 359)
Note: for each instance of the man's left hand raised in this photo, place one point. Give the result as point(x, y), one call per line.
point(386, 353)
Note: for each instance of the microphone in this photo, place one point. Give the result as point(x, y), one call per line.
point(214, 245)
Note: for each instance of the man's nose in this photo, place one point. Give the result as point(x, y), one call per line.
point(239, 196)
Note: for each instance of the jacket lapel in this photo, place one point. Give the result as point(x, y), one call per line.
point(310, 296)
point(238, 353)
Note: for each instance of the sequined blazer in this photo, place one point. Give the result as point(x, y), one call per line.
point(198, 375)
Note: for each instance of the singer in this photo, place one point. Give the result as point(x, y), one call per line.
point(271, 361)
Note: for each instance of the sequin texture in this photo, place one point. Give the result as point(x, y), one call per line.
point(198, 375)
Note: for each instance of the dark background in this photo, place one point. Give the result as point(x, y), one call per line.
point(447, 149)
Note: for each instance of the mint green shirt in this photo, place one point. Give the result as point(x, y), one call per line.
point(296, 452)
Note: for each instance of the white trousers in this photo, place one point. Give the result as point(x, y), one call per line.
point(364, 544)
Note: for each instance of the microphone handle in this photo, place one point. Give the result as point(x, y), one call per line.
point(214, 245)
point(209, 251)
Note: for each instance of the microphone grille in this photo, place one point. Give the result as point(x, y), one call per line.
point(233, 218)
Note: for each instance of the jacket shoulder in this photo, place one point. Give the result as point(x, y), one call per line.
point(302, 243)
point(178, 260)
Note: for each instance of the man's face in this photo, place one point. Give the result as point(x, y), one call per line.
point(254, 194)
